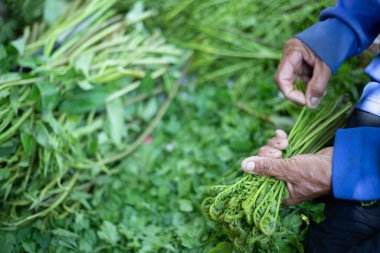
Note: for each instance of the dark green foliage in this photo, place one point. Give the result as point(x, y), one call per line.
point(16, 14)
point(226, 108)
point(63, 111)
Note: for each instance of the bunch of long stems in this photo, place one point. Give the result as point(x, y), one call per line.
point(250, 210)
point(63, 109)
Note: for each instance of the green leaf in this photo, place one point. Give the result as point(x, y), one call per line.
point(19, 44)
point(80, 101)
point(29, 247)
point(53, 10)
point(3, 52)
point(49, 96)
point(4, 174)
point(83, 63)
point(8, 77)
point(64, 233)
point(185, 205)
point(41, 134)
point(108, 232)
point(85, 85)
point(115, 120)
point(224, 153)
point(147, 84)
point(28, 144)
point(222, 247)
point(4, 94)
point(149, 109)
point(241, 145)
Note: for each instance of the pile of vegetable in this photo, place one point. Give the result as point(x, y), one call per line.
point(147, 200)
point(64, 101)
point(249, 211)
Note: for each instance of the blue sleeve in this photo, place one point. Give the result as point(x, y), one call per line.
point(343, 31)
point(356, 157)
point(356, 164)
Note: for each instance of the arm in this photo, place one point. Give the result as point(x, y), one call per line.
point(315, 54)
point(343, 31)
point(356, 160)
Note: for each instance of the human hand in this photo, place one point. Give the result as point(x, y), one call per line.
point(299, 62)
point(307, 176)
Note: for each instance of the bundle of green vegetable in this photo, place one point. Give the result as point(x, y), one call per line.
point(249, 210)
point(71, 106)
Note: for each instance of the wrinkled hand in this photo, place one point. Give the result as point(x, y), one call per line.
point(307, 176)
point(300, 63)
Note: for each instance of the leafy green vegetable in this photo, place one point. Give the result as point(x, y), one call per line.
point(226, 108)
point(249, 211)
point(57, 136)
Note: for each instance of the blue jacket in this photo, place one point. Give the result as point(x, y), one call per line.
point(344, 31)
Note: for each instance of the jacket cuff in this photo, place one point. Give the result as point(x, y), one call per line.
point(331, 40)
point(373, 69)
point(370, 99)
point(356, 164)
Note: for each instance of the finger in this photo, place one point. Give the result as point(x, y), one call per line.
point(286, 76)
point(317, 85)
point(264, 166)
point(278, 143)
point(281, 133)
point(268, 151)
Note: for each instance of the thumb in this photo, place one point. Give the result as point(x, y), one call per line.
point(265, 166)
point(316, 87)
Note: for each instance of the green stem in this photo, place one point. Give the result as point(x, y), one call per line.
point(55, 204)
point(12, 130)
point(152, 125)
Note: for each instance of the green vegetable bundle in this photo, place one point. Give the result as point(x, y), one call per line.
point(72, 106)
point(250, 212)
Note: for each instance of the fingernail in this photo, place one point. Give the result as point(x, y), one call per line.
point(314, 101)
point(250, 166)
point(280, 133)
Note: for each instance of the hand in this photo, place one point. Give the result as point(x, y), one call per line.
point(300, 63)
point(307, 176)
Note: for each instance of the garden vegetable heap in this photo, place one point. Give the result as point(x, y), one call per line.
point(62, 110)
point(250, 211)
point(148, 201)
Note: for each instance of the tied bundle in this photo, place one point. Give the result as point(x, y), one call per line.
point(71, 104)
point(249, 211)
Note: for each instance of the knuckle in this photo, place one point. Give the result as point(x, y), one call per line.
point(291, 43)
point(262, 150)
point(277, 154)
point(284, 144)
point(291, 162)
point(265, 167)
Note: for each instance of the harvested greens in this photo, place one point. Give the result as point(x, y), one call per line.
point(249, 211)
point(228, 106)
point(63, 109)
